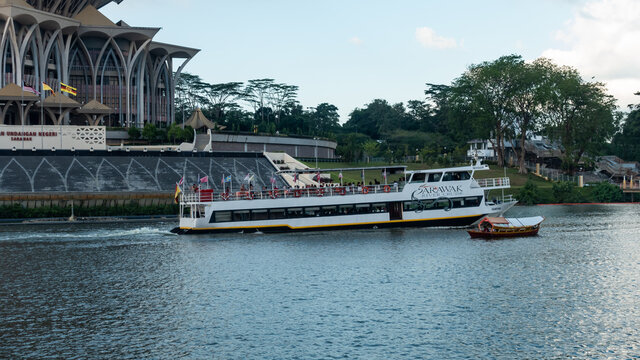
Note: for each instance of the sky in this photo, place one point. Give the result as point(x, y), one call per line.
point(350, 52)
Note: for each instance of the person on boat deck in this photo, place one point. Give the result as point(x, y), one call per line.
point(195, 188)
point(242, 188)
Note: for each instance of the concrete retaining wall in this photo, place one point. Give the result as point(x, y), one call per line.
point(79, 199)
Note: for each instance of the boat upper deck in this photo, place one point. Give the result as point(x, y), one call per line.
point(208, 195)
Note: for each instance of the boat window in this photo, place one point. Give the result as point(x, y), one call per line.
point(456, 176)
point(241, 215)
point(362, 208)
point(312, 211)
point(379, 208)
point(472, 201)
point(329, 211)
point(435, 177)
point(295, 213)
point(346, 209)
point(277, 214)
point(221, 216)
point(261, 214)
point(418, 177)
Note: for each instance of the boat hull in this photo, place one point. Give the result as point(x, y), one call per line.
point(442, 222)
point(503, 234)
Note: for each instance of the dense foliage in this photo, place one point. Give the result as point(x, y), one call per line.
point(529, 194)
point(506, 100)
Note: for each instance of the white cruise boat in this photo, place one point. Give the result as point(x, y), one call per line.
point(435, 197)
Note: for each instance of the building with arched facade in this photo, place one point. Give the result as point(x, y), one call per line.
point(117, 69)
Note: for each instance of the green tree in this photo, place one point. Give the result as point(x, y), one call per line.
point(626, 143)
point(484, 95)
point(529, 194)
point(566, 192)
point(580, 115)
point(605, 192)
point(134, 133)
point(325, 120)
point(370, 148)
point(149, 132)
point(175, 133)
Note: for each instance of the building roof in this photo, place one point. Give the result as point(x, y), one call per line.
point(198, 120)
point(68, 8)
point(90, 16)
point(60, 100)
point(95, 107)
point(15, 92)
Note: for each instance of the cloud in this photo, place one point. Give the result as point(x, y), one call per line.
point(355, 41)
point(428, 38)
point(601, 41)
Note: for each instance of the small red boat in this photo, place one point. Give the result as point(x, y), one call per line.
point(499, 227)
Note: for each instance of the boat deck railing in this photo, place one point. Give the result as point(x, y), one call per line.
point(502, 182)
point(208, 195)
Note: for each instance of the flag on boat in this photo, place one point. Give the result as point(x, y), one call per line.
point(46, 87)
point(384, 174)
point(273, 180)
point(31, 89)
point(181, 181)
point(295, 177)
point(249, 177)
point(340, 175)
point(176, 197)
point(227, 179)
point(204, 179)
point(68, 89)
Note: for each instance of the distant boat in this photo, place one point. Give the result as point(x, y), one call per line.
point(499, 227)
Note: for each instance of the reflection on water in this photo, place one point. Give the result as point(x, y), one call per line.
point(136, 291)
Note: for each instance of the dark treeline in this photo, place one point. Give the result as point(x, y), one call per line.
point(506, 100)
point(260, 105)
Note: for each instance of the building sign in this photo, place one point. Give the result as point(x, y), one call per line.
point(66, 137)
point(26, 135)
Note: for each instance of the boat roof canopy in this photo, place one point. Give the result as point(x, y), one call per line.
point(514, 222)
point(390, 169)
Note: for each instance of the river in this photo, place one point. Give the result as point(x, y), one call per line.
point(134, 290)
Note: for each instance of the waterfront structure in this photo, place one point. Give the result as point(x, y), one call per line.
point(121, 76)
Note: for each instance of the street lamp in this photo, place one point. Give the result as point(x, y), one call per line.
point(316, 150)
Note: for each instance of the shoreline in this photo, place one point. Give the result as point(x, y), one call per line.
point(88, 220)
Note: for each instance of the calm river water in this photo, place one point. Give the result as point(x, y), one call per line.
point(136, 291)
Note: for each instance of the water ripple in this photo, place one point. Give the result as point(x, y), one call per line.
point(135, 291)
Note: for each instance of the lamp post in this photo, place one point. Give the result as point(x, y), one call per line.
point(316, 150)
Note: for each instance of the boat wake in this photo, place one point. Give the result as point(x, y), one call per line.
point(89, 234)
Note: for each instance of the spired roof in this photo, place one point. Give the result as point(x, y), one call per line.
point(60, 100)
point(198, 120)
point(90, 16)
point(14, 92)
point(95, 107)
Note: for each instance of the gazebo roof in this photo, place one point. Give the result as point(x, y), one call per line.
point(198, 120)
point(15, 92)
point(61, 101)
point(95, 107)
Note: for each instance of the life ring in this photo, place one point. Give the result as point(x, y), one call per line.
point(320, 192)
point(249, 195)
point(365, 190)
point(387, 188)
point(297, 193)
point(341, 191)
point(224, 196)
point(273, 194)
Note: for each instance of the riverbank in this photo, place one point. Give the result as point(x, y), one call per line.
point(89, 220)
